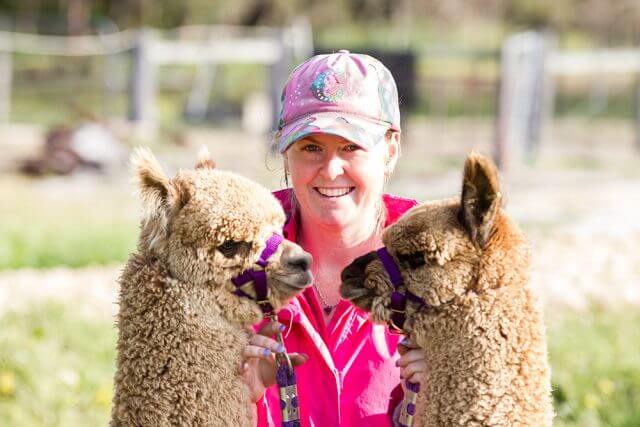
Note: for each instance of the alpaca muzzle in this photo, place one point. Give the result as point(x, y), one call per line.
point(353, 279)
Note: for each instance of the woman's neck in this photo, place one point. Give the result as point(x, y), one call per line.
point(332, 250)
point(339, 245)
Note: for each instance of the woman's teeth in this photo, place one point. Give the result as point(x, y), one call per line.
point(334, 192)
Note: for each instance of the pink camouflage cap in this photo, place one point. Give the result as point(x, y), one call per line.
point(345, 94)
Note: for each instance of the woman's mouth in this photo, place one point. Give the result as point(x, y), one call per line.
point(334, 191)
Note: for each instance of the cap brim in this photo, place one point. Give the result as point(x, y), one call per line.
point(360, 131)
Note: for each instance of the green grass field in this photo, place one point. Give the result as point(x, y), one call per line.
point(596, 367)
point(35, 247)
point(56, 368)
point(64, 224)
point(96, 243)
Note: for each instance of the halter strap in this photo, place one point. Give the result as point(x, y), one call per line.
point(259, 277)
point(270, 249)
point(390, 265)
point(398, 297)
point(398, 313)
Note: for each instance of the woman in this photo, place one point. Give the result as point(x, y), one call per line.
point(339, 134)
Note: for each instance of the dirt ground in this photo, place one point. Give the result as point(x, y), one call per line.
point(578, 203)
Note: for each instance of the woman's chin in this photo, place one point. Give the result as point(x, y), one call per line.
point(335, 214)
point(335, 220)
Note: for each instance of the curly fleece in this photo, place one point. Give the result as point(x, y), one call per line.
point(181, 328)
point(483, 335)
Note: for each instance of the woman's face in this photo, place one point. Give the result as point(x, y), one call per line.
point(337, 182)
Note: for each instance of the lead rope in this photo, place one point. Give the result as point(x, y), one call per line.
point(411, 390)
point(285, 376)
point(286, 379)
point(408, 408)
point(398, 306)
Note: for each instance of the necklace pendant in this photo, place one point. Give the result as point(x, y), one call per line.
point(327, 310)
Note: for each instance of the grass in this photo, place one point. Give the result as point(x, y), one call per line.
point(49, 224)
point(72, 244)
point(56, 367)
point(596, 368)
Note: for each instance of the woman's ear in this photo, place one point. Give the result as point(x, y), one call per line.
point(285, 160)
point(393, 151)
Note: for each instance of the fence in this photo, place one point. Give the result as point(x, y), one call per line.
point(203, 46)
point(529, 63)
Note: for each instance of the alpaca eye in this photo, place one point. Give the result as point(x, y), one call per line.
point(230, 248)
point(413, 260)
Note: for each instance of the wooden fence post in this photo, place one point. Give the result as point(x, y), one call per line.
point(6, 78)
point(278, 74)
point(301, 39)
point(637, 118)
point(296, 45)
point(142, 86)
point(523, 88)
point(540, 89)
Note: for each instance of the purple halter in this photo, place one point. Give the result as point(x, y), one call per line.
point(285, 377)
point(259, 277)
point(398, 308)
point(398, 298)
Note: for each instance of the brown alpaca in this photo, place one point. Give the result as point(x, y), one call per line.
point(181, 327)
point(481, 327)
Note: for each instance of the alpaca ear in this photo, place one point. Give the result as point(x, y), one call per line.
point(204, 159)
point(153, 185)
point(481, 198)
point(161, 198)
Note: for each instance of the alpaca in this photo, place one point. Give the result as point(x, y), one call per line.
point(460, 270)
point(182, 325)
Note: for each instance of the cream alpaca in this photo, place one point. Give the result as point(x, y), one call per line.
point(181, 327)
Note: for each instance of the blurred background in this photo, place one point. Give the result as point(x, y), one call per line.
point(549, 88)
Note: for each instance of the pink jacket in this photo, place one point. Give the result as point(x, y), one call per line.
point(350, 378)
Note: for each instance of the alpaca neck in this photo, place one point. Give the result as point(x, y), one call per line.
point(476, 362)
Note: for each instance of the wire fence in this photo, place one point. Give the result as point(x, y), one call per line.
point(211, 73)
point(531, 65)
point(139, 54)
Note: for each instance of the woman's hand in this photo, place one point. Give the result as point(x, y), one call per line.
point(259, 365)
point(412, 364)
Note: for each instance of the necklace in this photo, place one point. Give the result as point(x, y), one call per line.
point(326, 307)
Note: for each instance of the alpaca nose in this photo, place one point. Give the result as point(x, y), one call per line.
point(300, 260)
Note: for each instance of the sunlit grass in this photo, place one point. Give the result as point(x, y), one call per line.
point(596, 367)
point(42, 225)
point(56, 367)
point(76, 243)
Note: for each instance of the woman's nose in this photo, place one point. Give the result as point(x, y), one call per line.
point(333, 167)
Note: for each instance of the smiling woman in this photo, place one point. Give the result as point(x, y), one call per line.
point(339, 135)
point(337, 183)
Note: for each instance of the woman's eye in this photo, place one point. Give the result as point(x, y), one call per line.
point(311, 148)
point(230, 248)
point(413, 260)
point(352, 147)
